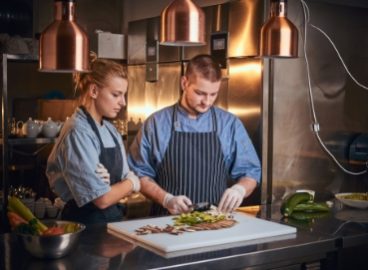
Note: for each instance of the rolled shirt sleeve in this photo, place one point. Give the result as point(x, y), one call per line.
point(78, 159)
point(242, 157)
point(140, 158)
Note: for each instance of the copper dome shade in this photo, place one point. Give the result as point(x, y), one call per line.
point(64, 45)
point(279, 36)
point(182, 24)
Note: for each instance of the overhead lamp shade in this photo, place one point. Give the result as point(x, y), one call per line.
point(279, 36)
point(182, 24)
point(63, 44)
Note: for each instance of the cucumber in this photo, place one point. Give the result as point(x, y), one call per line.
point(289, 203)
point(309, 216)
point(312, 207)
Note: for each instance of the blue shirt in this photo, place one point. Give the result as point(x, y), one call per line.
point(149, 146)
point(73, 161)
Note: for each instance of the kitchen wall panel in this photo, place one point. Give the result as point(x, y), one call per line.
point(245, 22)
point(245, 96)
point(145, 97)
point(298, 159)
point(137, 39)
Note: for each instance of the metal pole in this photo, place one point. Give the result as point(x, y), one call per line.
point(4, 134)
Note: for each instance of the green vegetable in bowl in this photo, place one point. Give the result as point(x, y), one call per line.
point(356, 196)
point(27, 228)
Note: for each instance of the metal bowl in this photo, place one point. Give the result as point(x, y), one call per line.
point(51, 246)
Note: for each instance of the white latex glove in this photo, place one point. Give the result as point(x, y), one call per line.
point(135, 181)
point(177, 204)
point(103, 173)
point(232, 198)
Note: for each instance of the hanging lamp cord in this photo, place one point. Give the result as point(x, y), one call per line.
point(315, 125)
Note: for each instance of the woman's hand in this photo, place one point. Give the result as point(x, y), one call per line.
point(103, 173)
point(135, 181)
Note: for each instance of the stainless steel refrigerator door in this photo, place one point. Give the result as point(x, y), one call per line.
point(244, 97)
point(137, 42)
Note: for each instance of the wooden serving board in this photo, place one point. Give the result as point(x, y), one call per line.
point(247, 228)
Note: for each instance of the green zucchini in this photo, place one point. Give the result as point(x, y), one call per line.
point(290, 202)
point(312, 207)
point(308, 215)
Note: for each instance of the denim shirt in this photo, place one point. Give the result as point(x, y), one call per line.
point(73, 161)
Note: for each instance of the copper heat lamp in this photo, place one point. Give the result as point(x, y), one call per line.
point(182, 24)
point(279, 36)
point(63, 44)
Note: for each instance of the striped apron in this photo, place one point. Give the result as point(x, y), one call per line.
point(193, 165)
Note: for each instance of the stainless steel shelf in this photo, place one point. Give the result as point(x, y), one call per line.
point(21, 57)
point(6, 142)
point(24, 141)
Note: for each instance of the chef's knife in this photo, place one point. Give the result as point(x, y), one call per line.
point(201, 206)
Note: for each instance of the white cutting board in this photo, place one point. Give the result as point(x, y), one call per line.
point(247, 228)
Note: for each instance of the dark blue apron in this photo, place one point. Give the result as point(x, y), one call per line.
point(112, 159)
point(193, 165)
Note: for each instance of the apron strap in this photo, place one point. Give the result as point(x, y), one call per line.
point(93, 125)
point(174, 117)
point(95, 129)
point(214, 122)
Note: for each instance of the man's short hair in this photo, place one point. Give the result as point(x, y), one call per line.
point(205, 66)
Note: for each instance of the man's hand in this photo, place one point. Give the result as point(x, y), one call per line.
point(103, 173)
point(232, 198)
point(177, 204)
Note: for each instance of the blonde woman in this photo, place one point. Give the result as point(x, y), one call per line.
point(88, 165)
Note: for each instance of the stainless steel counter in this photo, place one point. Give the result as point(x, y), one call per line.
point(317, 245)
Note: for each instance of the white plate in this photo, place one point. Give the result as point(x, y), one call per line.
point(362, 204)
